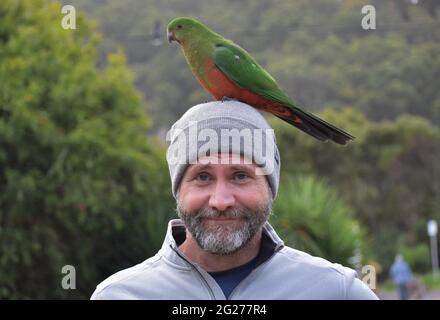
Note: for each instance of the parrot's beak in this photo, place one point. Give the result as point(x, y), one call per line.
point(170, 36)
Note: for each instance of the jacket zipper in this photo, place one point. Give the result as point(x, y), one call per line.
point(211, 292)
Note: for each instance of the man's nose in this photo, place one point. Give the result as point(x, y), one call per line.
point(221, 197)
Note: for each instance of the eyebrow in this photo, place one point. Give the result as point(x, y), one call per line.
point(244, 167)
point(194, 167)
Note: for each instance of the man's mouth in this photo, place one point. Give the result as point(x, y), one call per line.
point(223, 220)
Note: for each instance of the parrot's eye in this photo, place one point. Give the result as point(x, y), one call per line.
point(179, 26)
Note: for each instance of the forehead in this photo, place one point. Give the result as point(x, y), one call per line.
point(225, 158)
point(225, 161)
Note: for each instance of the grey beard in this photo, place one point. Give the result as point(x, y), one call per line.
point(224, 239)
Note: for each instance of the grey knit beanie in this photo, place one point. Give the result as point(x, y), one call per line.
point(222, 127)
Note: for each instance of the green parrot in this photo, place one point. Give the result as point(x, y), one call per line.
point(227, 71)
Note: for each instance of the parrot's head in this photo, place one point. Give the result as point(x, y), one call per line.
point(183, 29)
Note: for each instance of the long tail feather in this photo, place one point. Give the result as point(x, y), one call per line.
point(315, 126)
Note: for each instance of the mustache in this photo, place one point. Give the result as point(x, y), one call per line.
point(229, 213)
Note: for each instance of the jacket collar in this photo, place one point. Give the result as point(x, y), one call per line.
point(271, 243)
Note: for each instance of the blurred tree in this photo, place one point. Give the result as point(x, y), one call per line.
point(417, 257)
point(79, 182)
point(309, 216)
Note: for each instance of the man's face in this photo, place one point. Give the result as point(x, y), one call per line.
point(222, 205)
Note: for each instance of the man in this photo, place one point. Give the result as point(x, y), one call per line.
point(224, 166)
point(402, 276)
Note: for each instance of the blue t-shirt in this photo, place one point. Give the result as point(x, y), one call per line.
point(229, 279)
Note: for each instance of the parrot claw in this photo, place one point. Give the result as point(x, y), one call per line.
point(225, 98)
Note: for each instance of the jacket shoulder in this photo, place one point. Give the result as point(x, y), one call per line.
point(113, 286)
point(309, 261)
point(337, 280)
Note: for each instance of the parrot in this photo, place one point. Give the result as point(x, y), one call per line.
point(228, 72)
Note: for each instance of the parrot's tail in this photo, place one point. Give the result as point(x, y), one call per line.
point(315, 126)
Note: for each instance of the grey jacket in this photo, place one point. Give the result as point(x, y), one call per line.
point(283, 274)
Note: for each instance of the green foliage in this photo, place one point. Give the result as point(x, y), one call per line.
point(418, 257)
point(79, 182)
point(431, 281)
point(309, 216)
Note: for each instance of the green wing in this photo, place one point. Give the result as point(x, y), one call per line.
point(241, 68)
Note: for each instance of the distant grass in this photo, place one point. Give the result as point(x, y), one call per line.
point(387, 286)
point(431, 282)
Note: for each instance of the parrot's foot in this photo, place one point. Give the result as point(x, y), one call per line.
point(225, 98)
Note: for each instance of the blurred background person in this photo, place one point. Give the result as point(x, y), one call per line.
point(401, 274)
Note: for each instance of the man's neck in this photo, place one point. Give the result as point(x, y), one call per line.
point(214, 263)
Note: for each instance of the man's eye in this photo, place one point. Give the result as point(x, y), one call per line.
point(241, 176)
point(203, 177)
